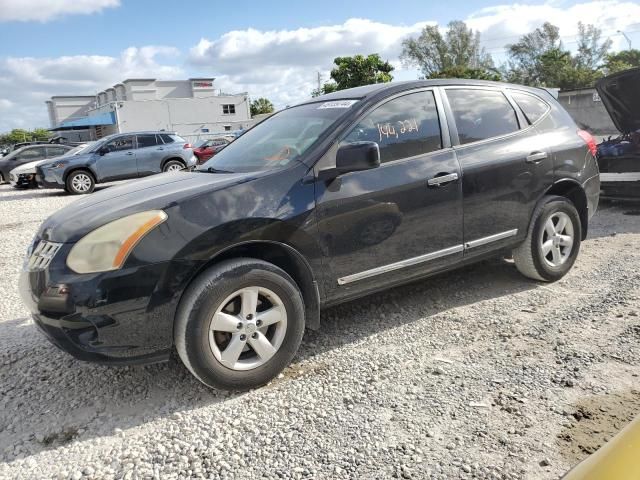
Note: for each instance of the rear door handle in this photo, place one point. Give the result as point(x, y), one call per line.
point(536, 157)
point(440, 180)
point(129, 153)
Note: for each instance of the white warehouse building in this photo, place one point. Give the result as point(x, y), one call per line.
point(192, 108)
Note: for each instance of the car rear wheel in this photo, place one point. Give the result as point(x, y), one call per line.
point(173, 166)
point(553, 241)
point(80, 182)
point(239, 324)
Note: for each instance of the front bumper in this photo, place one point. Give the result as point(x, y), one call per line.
point(118, 317)
point(23, 180)
point(50, 178)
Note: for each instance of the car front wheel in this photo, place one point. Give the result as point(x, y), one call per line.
point(239, 324)
point(80, 182)
point(553, 241)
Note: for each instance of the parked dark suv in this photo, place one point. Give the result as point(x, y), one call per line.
point(323, 202)
point(28, 154)
point(117, 157)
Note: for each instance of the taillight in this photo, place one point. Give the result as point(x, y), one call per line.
point(589, 140)
point(186, 145)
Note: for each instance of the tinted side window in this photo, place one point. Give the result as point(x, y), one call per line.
point(481, 114)
point(32, 154)
point(532, 107)
point(166, 138)
point(121, 143)
point(147, 141)
point(56, 151)
point(403, 127)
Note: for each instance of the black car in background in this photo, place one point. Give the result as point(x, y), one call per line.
point(330, 200)
point(619, 157)
point(27, 154)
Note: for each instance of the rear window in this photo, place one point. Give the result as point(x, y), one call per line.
point(481, 114)
point(532, 107)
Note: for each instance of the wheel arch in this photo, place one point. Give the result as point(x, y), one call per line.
point(573, 191)
point(86, 168)
point(285, 257)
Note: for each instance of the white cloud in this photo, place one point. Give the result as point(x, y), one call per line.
point(28, 82)
point(283, 64)
point(504, 24)
point(44, 10)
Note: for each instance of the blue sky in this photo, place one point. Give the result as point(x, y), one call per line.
point(266, 48)
point(145, 22)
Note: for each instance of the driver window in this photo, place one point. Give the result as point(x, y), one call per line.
point(403, 127)
point(121, 143)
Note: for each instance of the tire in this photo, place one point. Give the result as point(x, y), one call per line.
point(205, 351)
point(80, 182)
point(547, 254)
point(173, 166)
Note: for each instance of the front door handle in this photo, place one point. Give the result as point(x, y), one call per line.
point(440, 180)
point(129, 153)
point(536, 157)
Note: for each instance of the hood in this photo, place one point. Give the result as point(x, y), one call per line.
point(79, 158)
point(620, 94)
point(155, 192)
point(27, 167)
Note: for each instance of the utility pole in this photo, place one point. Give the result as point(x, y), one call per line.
point(626, 37)
point(319, 81)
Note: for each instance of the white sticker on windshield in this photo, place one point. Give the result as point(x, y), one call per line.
point(337, 104)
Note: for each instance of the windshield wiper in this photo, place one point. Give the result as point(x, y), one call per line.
point(216, 170)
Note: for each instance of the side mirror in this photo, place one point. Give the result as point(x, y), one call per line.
point(103, 150)
point(353, 157)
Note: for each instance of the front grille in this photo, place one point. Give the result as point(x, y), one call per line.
point(12, 177)
point(42, 255)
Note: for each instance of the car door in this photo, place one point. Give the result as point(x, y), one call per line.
point(30, 155)
point(398, 220)
point(505, 169)
point(149, 154)
point(117, 160)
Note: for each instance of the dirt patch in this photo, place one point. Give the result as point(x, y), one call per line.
point(594, 421)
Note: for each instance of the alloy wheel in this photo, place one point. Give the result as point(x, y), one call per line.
point(248, 328)
point(81, 182)
point(557, 239)
point(174, 167)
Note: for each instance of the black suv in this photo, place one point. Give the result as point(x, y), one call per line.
point(323, 202)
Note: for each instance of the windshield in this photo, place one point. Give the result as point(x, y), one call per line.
point(279, 140)
point(77, 150)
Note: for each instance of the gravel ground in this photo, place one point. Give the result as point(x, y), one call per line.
point(478, 373)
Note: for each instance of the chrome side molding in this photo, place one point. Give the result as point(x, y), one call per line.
point(401, 264)
point(426, 257)
point(490, 239)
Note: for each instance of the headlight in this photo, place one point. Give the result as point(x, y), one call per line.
point(58, 165)
point(107, 247)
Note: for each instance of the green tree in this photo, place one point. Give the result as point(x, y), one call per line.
point(457, 52)
point(41, 134)
point(592, 51)
point(260, 106)
point(356, 71)
point(623, 60)
point(467, 72)
point(539, 58)
point(524, 64)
